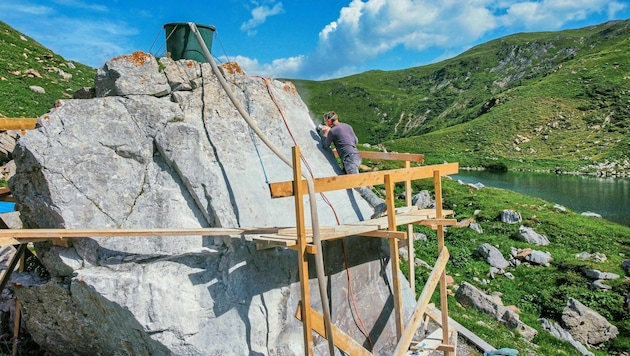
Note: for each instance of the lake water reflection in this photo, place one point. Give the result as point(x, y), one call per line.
point(609, 197)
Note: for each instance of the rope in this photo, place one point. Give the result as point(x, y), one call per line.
point(216, 35)
point(360, 324)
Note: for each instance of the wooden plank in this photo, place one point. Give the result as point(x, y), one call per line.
point(389, 156)
point(20, 123)
point(6, 274)
point(385, 234)
point(395, 258)
point(305, 302)
point(71, 233)
point(436, 315)
point(423, 301)
point(342, 340)
point(443, 222)
point(350, 181)
point(411, 253)
point(437, 181)
point(430, 343)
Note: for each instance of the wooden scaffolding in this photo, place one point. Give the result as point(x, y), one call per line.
point(300, 238)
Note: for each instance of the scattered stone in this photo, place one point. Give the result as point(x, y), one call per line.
point(539, 258)
point(492, 255)
point(465, 222)
point(586, 325)
point(521, 254)
point(477, 185)
point(468, 295)
point(528, 234)
point(597, 274)
point(559, 333)
point(560, 207)
point(420, 263)
point(626, 266)
point(599, 257)
point(511, 217)
point(37, 89)
point(600, 285)
point(476, 227)
point(423, 200)
point(476, 212)
point(418, 236)
point(591, 214)
point(509, 275)
point(583, 256)
point(32, 73)
point(403, 252)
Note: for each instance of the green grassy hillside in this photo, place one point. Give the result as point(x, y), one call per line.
point(537, 291)
point(25, 63)
point(553, 100)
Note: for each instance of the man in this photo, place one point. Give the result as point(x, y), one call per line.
point(345, 140)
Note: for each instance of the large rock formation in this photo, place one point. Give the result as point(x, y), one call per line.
point(161, 146)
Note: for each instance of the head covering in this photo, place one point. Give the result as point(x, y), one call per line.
point(330, 117)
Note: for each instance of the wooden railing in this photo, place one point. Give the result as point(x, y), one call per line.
point(298, 187)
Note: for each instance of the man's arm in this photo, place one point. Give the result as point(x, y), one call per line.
point(327, 138)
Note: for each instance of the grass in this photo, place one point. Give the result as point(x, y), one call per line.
point(555, 101)
point(538, 292)
point(25, 63)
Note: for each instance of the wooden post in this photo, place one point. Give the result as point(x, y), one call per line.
point(423, 302)
point(437, 181)
point(302, 253)
point(411, 253)
point(17, 318)
point(395, 259)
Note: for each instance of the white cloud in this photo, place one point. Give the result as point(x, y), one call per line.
point(365, 30)
point(259, 16)
point(279, 68)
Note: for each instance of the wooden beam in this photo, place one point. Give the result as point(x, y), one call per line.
point(20, 123)
point(305, 301)
point(68, 233)
point(436, 315)
point(350, 181)
point(411, 253)
point(443, 222)
point(6, 274)
point(423, 302)
point(342, 340)
point(395, 258)
point(385, 234)
point(437, 182)
point(389, 156)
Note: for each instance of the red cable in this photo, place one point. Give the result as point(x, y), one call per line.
point(361, 327)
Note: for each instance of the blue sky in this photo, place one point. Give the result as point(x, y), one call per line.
point(299, 39)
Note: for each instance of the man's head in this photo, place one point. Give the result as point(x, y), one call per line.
point(330, 118)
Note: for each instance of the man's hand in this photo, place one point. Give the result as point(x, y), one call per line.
point(325, 130)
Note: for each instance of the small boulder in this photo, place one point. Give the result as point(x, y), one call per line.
point(597, 274)
point(528, 234)
point(511, 217)
point(591, 214)
point(476, 227)
point(626, 266)
point(492, 255)
point(539, 258)
point(586, 325)
point(423, 200)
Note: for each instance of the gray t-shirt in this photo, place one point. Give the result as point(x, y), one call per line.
point(342, 135)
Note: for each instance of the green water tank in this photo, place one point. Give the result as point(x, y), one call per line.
point(181, 42)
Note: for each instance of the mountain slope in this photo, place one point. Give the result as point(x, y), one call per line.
point(25, 63)
point(553, 100)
